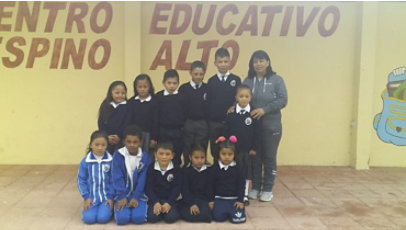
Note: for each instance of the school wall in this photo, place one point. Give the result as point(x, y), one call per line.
point(321, 49)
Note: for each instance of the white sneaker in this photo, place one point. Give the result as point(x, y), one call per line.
point(253, 194)
point(266, 196)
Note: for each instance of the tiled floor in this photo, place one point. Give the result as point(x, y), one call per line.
point(46, 197)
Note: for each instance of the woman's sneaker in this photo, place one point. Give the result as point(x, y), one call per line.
point(266, 196)
point(253, 194)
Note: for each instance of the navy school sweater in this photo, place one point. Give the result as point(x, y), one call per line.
point(195, 101)
point(143, 115)
point(170, 110)
point(245, 128)
point(163, 188)
point(195, 184)
point(221, 95)
point(226, 183)
point(117, 121)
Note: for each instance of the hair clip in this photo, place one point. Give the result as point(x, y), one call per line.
point(233, 139)
point(220, 139)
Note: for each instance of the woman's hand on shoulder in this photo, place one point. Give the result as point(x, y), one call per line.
point(257, 113)
point(231, 109)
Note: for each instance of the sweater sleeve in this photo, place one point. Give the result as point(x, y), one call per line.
point(240, 184)
point(280, 98)
point(119, 176)
point(177, 187)
point(82, 180)
point(138, 192)
point(149, 188)
point(211, 183)
point(186, 194)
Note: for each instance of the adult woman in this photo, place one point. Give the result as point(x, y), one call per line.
point(269, 96)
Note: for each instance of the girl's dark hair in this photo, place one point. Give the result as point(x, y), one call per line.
point(96, 134)
point(140, 78)
point(198, 64)
point(259, 54)
point(171, 73)
point(230, 145)
point(243, 86)
point(106, 109)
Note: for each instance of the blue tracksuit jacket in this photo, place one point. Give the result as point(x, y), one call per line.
point(123, 186)
point(94, 179)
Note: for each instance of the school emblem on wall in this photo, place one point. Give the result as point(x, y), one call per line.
point(390, 124)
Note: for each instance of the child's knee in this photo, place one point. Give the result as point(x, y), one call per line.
point(122, 217)
point(139, 218)
point(89, 217)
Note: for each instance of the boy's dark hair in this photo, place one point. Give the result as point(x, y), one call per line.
point(259, 54)
point(243, 86)
point(164, 145)
point(140, 78)
point(132, 130)
point(197, 147)
point(171, 73)
point(97, 134)
point(198, 64)
point(222, 52)
point(106, 109)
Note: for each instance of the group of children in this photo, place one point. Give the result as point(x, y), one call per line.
point(143, 180)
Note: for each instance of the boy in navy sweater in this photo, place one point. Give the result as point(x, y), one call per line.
point(170, 115)
point(129, 172)
point(221, 89)
point(163, 186)
point(196, 129)
point(241, 124)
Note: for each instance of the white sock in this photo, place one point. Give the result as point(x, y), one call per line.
point(247, 185)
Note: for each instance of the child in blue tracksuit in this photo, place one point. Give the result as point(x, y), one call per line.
point(94, 181)
point(163, 185)
point(227, 184)
point(130, 166)
point(114, 115)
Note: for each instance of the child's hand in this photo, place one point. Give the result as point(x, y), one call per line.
point(231, 109)
point(165, 208)
point(133, 203)
point(157, 208)
point(116, 139)
point(87, 203)
point(194, 210)
point(110, 203)
point(121, 203)
point(211, 205)
point(252, 153)
point(257, 113)
point(239, 205)
point(152, 144)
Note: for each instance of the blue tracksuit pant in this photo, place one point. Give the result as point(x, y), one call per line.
point(99, 213)
point(224, 210)
point(136, 215)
